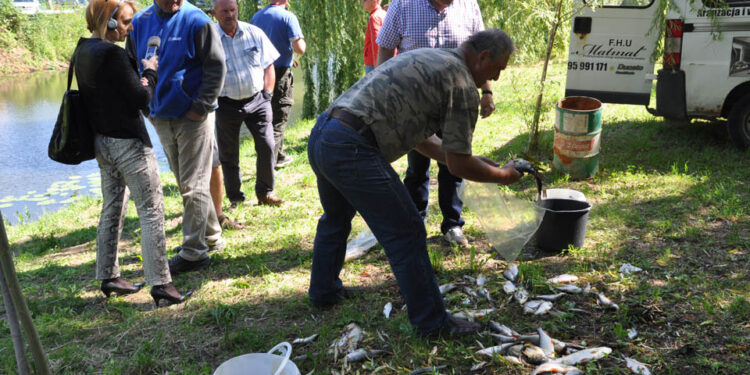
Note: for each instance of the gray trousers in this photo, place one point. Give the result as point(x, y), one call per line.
point(255, 112)
point(130, 167)
point(189, 149)
point(281, 103)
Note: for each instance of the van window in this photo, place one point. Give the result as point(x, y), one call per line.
point(625, 3)
point(728, 3)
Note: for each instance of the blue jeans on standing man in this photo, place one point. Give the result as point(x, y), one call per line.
point(417, 182)
point(352, 177)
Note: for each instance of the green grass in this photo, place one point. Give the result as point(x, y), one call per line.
point(670, 199)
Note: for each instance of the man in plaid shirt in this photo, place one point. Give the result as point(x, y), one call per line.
point(413, 24)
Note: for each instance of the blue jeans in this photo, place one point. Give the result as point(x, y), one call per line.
point(354, 177)
point(417, 182)
point(369, 68)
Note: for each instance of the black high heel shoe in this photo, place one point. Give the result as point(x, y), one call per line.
point(169, 293)
point(119, 286)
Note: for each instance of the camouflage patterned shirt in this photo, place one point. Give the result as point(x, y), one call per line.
point(413, 95)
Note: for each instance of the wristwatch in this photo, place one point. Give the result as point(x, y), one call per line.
point(484, 92)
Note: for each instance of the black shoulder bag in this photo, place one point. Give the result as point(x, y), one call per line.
point(73, 138)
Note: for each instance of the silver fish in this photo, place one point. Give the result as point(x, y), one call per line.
point(545, 342)
point(532, 339)
point(446, 288)
point(509, 287)
point(478, 366)
point(543, 308)
point(585, 356)
point(632, 333)
point(481, 280)
point(470, 278)
point(470, 292)
point(550, 297)
point(606, 302)
point(492, 350)
point(635, 366)
point(515, 350)
point(349, 340)
point(466, 301)
point(534, 355)
point(485, 293)
point(586, 289)
point(503, 339)
point(424, 370)
point(563, 279)
point(521, 295)
point(627, 269)
point(569, 288)
point(531, 306)
point(553, 368)
point(305, 340)
point(513, 359)
point(472, 314)
point(511, 273)
point(362, 354)
point(387, 310)
point(502, 329)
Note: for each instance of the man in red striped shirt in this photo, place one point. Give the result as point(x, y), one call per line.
point(373, 28)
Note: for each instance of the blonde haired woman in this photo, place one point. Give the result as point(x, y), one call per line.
point(114, 95)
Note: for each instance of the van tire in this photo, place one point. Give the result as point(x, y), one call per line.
point(739, 123)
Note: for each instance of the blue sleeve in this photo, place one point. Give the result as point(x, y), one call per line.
point(295, 32)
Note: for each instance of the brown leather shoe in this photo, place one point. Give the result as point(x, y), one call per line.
point(270, 200)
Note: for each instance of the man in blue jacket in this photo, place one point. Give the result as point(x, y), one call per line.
point(191, 74)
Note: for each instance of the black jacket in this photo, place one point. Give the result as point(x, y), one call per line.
point(111, 89)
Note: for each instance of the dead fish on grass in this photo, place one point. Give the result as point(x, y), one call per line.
point(478, 366)
point(555, 368)
point(471, 314)
point(470, 292)
point(492, 350)
point(550, 297)
point(503, 339)
point(447, 288)
point(534, 355)
point(537, 307)
point(521, 295)
point(545, 342)
point(563, 279)
point(485, 293)
point(509, 287)
point(627, 269)
point(387, 310)
point(502, 329)
point(362, 354)
point(635, 366)
point(349, 340)
point(606, 302)
point(511, 273)
point(481, 280)
point(632, 333)
point(585, 356)
point(305, 340)
point(569, 288)
point(425, 370)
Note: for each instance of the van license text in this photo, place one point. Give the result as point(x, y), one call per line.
point(584, 65)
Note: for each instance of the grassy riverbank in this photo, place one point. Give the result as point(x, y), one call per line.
point(39, 41)
point(670, 199)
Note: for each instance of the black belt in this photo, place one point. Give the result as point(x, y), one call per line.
point(353, 122)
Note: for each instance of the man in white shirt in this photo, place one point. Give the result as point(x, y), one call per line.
point(246, 97)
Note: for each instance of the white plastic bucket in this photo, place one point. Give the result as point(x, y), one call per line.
point(261, 363)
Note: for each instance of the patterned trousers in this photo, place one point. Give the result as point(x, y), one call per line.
point(130, 167)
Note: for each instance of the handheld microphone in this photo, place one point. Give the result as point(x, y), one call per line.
point(153, 47)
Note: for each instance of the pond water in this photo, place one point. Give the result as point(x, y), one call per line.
point(30, 182)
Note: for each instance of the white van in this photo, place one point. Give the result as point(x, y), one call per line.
point(27, 6)
point(706, 72)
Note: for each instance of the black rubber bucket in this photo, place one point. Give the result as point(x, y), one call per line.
point(564, 224)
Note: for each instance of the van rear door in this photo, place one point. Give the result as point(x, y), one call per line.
point(610, 51)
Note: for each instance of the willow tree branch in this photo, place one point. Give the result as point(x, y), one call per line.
point(11, 280)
